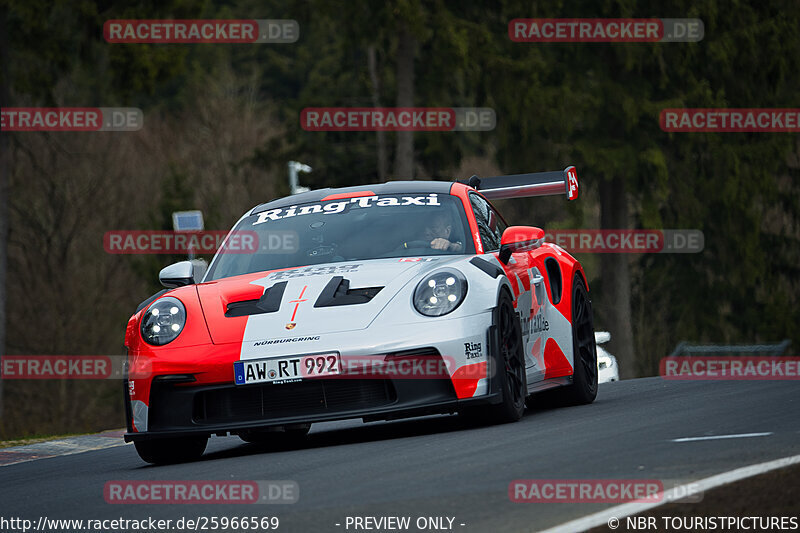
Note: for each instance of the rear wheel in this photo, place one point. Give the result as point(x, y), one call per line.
point(584, 380)
point(170, 451)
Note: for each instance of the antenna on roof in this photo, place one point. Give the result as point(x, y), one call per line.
point(474, 181)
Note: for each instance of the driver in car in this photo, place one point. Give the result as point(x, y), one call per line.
point(438, 233)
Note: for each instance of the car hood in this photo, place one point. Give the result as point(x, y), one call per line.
point(307, 301)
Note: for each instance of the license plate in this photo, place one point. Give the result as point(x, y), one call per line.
point(286, 369)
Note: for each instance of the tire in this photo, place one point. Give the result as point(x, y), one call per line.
point(510, 364)
point(292, 435)
point(170, 451)
point(584, 380)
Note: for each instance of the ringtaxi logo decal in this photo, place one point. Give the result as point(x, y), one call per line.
point(333, 208)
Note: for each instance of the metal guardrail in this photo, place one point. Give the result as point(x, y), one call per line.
point(776, 349)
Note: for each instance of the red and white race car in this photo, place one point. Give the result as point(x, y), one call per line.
point(383, 301)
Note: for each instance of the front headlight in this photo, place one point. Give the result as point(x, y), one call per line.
point(163, 321)
point(440, 292)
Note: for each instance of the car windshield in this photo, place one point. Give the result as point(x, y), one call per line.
point(350, 229)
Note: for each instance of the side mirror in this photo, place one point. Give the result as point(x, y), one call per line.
point(183, 273)
point(519, 239)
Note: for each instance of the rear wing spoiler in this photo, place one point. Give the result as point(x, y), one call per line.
point(524, 185)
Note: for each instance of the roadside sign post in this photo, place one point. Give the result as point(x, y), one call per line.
point(188, 221)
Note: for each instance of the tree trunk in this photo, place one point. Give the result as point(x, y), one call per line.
point(404, 155)
point(616, 278)
point(4, 181)
point(383, 164)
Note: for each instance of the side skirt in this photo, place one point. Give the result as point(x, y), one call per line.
point(547, 384)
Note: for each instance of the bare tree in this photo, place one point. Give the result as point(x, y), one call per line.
point(616, 275)
point(376, 102)
point(3, 192)
point(406, 49)
point(68, 189)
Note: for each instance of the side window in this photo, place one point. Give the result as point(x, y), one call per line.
point(490, 225)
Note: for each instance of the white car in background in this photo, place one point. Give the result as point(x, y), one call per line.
point(607, 367)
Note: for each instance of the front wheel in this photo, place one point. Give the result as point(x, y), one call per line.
point(509, 365)
point(170, 451)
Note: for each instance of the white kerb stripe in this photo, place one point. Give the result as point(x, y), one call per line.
point(629, 509)
point(715, 437)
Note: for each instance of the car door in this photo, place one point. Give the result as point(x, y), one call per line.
point(526, 281)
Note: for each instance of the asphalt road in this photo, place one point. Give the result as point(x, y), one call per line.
point(440, 467)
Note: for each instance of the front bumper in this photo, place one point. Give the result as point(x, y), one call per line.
point(223, 409)
point(206, 408)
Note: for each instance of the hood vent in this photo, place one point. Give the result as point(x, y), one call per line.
point(338, 292)
point(269, 302)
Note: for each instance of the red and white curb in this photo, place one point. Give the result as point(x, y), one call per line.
point(61, 447)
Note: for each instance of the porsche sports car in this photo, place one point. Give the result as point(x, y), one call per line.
point(393, 300)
